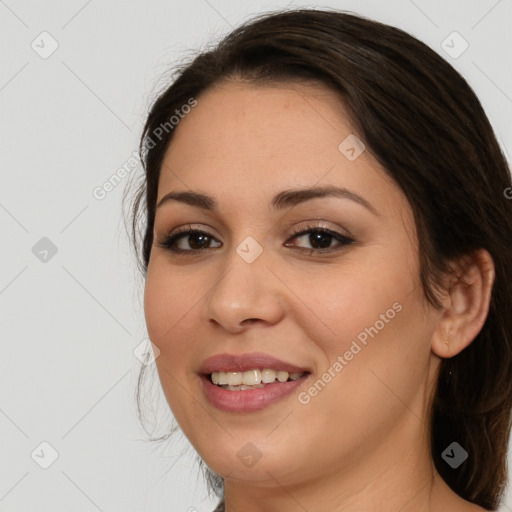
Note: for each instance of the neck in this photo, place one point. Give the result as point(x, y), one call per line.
point(391, 476)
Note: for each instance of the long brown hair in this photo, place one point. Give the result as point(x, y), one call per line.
point(422, 121)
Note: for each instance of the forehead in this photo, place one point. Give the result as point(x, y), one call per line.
point(261, 139)
point(263, 118)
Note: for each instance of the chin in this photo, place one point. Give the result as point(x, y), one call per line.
point(250, 462)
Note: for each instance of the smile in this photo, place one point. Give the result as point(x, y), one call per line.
point(247, 398)
point(240, 381)
point(248, 382)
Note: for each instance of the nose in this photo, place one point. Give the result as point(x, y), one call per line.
point(245, 294)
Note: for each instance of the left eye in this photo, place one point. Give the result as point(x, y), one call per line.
point(320, 240)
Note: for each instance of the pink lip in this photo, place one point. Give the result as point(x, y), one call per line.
point(244, 362)
point(249, 400)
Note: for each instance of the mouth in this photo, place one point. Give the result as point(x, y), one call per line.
point(252, 379)
point(249, 382)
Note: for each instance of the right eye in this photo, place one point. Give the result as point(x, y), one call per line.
point(196, 240)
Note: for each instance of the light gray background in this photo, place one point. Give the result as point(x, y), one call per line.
point(69, 325)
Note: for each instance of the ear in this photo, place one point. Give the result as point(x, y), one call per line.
point(466, 303)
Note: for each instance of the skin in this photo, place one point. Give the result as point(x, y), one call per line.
point(362, 443)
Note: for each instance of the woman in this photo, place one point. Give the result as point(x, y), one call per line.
point(327, 259)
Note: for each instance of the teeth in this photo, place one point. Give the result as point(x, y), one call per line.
point(251, 378)
point(243, 387)
point(234, 378)
point(268, 376)
point(282, 376)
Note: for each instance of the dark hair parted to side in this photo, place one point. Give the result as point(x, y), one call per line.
point(422, 121)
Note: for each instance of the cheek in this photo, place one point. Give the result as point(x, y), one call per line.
point(169, 313)
point(372, 316)
point(167, 302)
point(357, 300)
point(375, 358)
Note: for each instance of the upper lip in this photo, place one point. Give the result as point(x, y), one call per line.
point(244, 362)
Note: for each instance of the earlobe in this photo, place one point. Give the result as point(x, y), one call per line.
point(467, 304)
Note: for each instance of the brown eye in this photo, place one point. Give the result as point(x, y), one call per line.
point(194, 241)
point(197, 241)
point(320, 240)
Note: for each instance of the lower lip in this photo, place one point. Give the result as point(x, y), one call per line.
point(248, 400)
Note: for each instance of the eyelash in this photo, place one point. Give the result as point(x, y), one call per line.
point(169, 241)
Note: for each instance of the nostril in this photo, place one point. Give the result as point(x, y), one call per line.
point(251, 320)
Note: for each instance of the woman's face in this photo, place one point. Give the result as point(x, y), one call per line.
point(345, 307)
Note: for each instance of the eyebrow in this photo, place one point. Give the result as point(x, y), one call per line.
point(284, 199)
